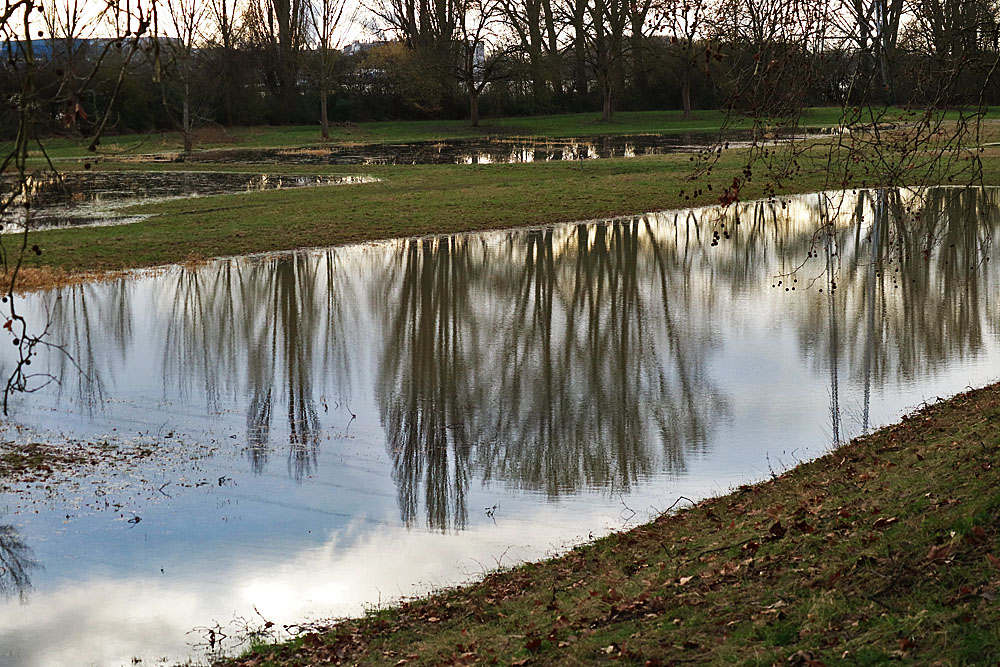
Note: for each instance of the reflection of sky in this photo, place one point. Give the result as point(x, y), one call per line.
point(333, 541)
point(295, 552)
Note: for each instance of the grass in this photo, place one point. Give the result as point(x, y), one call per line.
point(412, 200)
point(886, 549)
point(554, 126)
point(563, 125)
point(409, 201)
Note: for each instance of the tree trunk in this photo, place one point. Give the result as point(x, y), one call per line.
point(552, 63)
point(186, 121)
point(686, 94)
point(579, 52)
point(538, 82)
point(606, 90)
point(324, 122)
point(474, 108)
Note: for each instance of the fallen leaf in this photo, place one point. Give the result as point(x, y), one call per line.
point(805, 658)
point(939, 553)
point(804, 527)
point(976, 536)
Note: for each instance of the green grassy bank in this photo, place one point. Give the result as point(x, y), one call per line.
point(429, 199)
point(409, 200)
point(886, 549)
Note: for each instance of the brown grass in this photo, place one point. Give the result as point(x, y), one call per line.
point(34, 279)
point(212, 135)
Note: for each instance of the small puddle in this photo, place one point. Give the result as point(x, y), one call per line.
point(90, 199)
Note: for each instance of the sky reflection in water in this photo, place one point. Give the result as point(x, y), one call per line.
point(355, 411)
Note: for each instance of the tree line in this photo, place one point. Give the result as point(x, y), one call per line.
point(168, 64)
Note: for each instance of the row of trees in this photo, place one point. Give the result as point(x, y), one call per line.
point(183, 63)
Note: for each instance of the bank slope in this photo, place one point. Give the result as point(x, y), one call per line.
point(886, 548)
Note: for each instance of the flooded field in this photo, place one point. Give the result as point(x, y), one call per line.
point(329, 430)
point(497, 150)
point(78, 199)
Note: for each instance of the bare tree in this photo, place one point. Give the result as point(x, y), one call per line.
point(289, 16)
point(477, 32)
point(326, 18)
point(185, 17)
point(427, 25)
point(949, 29)
point(606, 48)
point(70, 28)
point(223, 15)
point(575, 14)
point(873, 26)
point(132, 27)
point(535, 24)
point(685, 20)
point(277, 29)
point(225, 63)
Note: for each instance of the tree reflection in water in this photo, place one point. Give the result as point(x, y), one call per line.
point(561, 359)
point(254, 329)
point(545, 368)
point(16, 561)
point(432, 379)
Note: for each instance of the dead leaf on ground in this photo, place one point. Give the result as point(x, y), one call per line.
point(777, 530)
point(938, 553)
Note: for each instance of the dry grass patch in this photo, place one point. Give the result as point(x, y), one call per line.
point(34, 279)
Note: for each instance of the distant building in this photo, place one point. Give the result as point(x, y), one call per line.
point(50, 49)
point(357, 47)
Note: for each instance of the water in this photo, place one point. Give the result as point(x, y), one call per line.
point(88, 199)
point(496, 150)
point(338, 428)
